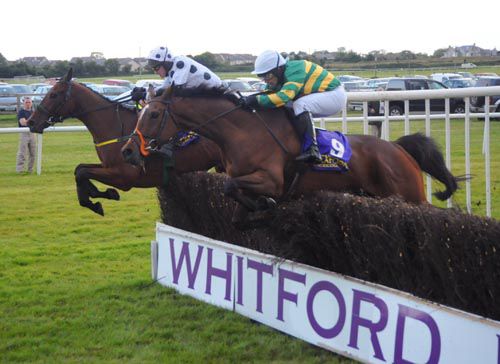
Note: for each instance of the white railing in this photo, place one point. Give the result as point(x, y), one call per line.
point(386, 96)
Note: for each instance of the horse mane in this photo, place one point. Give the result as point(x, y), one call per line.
point(123, 106)
point(198, 92)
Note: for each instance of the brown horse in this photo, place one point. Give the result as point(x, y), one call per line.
point(110, 124)
point(260, 147)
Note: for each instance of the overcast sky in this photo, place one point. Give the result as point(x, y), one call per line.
point(125, 28)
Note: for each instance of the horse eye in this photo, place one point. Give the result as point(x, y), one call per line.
point(155, 114)
point(53, 95)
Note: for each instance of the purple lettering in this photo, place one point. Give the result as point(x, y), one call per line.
point(176, 268)
point(239, 289)
point(286, 295)
point(374, 327)
point(421, 316)
point(260, 268)
point(337, 328)
point(224, 274)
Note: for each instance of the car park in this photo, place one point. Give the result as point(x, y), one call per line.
point(109, 91)
point(40, 93)
point(348, 78)
point(457, 105)
point(444, 77)
point(34, 86)
point(8, 98)
point(477, 102)
point(115, 82)
point(260, 86)
point(375, 83)
point(460, 83)
point(250, 80)
point(240, 86)
point(146, 83)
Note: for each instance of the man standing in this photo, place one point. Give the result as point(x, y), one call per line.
point(27, 141)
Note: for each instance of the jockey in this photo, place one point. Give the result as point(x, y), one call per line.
point(311, 90)
point(179, 71)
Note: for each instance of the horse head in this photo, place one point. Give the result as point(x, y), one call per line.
point(54, 107)
point(155, 128)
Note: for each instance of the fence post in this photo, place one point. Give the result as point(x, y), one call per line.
point(39, 140)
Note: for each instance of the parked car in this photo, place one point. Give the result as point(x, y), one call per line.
point(477, 102)
point(21, 89)
point(348, 78)
point(109, 91)
point(40, 94)
point(375, 83)
point(115, 82)
point(8, 99)
point(250, 80)
point(436, 105)
point(444, 77)
point(486, 74)
point(460, 83)
point(467, 75)
point(243, 87)
point(145, 83)
point(34, 86)
point(260, 86)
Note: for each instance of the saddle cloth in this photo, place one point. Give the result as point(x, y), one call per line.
point(184, 138)
point(334, 148)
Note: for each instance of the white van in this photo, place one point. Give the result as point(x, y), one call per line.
point(443, 77)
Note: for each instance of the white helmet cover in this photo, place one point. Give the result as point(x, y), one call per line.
point(160, 54)
point(267, 61)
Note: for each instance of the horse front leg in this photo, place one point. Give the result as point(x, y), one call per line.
point(81, 176)
point(261, 184)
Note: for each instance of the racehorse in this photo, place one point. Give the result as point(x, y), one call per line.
point(259, 149)
point(110, 124)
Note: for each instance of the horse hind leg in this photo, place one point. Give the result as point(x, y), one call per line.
point(82, 190)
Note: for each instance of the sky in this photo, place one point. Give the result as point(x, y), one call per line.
point(60, 30)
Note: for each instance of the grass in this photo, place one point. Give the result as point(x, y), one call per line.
point(76, 287)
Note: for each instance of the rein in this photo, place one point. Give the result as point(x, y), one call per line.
point(218, 116)
point(59, 119)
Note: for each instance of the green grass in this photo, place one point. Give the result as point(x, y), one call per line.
point(76, 287)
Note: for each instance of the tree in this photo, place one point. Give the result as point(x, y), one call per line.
point(112, 66)
point(208, 60)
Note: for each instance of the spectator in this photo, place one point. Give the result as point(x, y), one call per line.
point(27, 141)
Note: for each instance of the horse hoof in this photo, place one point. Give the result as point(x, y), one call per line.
point(113, 194)
point(265, 203)
point(97, 208)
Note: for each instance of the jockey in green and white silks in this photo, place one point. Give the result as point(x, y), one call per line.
point(311, 89)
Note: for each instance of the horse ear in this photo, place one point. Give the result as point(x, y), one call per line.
point(167, 94)
point(68, 76)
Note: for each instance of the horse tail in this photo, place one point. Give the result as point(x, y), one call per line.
point(430, 159)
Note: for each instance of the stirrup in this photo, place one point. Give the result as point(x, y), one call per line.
point(310, 156)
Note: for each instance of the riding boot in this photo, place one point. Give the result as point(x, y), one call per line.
point(305, 122)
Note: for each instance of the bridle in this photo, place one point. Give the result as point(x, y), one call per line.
point(150, 143)
point(55, 118)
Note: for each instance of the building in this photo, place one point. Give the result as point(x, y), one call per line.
point(469, 51)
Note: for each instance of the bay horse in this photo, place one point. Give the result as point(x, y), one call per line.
point(110, 124)
point(259, 149)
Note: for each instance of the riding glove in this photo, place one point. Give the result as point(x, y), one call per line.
point(249, 102)
point(138, 93)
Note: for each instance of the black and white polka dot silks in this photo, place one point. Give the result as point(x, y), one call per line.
point(188, 73)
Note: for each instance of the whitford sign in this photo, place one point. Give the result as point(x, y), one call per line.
point(368, 322)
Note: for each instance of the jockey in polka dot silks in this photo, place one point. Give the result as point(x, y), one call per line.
point(305, 86)
point(180, 71)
